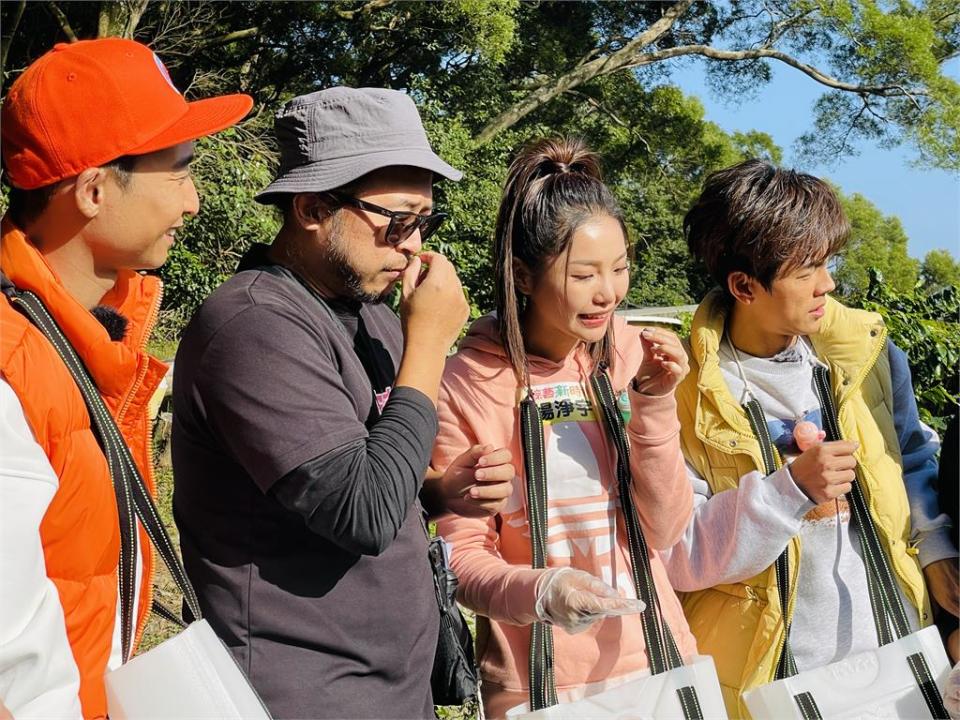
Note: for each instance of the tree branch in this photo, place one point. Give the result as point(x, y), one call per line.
point(949, 56)
point(777, 29)
point(135, 11)
point(107, 18)
point(119, 18)
point(230, 37)
point(597, 105)
point(630, 56)
point(8, 38)
point(365, 9)
point(583, 73)
point(61, 20)
point(766, 52)
point(611, 64)
point(853, 123)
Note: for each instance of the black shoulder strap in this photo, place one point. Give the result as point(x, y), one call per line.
point(880, 579)
point(881, 585)
point(133, 499)
point(786, 664)
point(881, 582)
point(661, 647)
point(543, 691)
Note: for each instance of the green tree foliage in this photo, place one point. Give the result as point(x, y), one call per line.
point(939, 270)
point(876, 241)
point(657, 149)
point(927, 328)
point(881, 64)
point(230, 168)
point(490, 75)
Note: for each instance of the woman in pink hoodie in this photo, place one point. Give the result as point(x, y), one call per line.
point(561, 270)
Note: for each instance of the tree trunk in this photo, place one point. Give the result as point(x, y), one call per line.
point(7, 39)
point(583, 72)
point(119, 18)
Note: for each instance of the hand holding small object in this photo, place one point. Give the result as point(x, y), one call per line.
point(806, 434)
point(574, 600)
point(433, 308)
point(664, 362)
point(826, 470)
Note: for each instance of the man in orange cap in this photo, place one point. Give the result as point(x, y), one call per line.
point(97, 144)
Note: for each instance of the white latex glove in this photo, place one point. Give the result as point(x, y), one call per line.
point(951, 696)
point(574, 600)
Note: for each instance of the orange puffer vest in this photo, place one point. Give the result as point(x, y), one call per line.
point(80, 531)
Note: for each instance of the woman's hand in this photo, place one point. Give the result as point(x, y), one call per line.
point(574, 600)
point(664, 362)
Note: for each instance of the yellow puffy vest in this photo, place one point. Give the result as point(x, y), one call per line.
point(740, 624)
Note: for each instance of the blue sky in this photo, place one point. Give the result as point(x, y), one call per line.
point(926, 201)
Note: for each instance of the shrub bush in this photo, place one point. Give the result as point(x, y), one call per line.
point(927, 328)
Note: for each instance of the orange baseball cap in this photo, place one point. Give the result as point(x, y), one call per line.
point(86, 103)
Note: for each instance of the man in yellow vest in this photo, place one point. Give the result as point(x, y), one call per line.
point(766, 235)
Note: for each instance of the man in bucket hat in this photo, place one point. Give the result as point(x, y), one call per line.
point(97, 144)
point(304, 418)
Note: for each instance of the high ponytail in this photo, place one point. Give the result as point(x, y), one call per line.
point(553, 187)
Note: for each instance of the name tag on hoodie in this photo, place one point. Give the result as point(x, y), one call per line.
point(569, 402)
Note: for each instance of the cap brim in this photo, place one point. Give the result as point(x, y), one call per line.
point(337, 172)
point(203, 117)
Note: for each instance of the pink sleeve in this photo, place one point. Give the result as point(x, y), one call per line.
point(454, 434)
point(629, 353)
point(489, 585)
point(662, 493)
point(661, 490)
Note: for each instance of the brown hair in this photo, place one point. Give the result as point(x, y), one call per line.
point(763, 220)
point(553, 187)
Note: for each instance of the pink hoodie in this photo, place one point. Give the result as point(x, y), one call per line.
point(492, 556)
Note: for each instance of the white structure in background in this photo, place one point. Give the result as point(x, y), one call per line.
point(666, 316)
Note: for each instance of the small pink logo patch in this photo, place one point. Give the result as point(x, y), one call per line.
point(382, 397)
point(163, 71)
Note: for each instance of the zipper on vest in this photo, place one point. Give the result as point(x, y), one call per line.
point(787, 614)
point(148, 591)
point(867, 368)
point(148, 325)
point(148, 470)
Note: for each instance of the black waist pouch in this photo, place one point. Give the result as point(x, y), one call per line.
point(455, 678)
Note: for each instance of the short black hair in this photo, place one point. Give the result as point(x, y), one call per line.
point(25, 206)
point(283, 202)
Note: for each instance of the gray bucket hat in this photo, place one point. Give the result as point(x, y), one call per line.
point(332, 137)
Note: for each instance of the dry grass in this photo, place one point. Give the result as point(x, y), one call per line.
point(165, 590)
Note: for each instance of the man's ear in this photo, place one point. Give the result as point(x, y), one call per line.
point(310, 210)
point(522, 277)
point(89, 191)
point(742, 287)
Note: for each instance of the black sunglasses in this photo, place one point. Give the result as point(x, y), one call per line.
point(402, 224)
